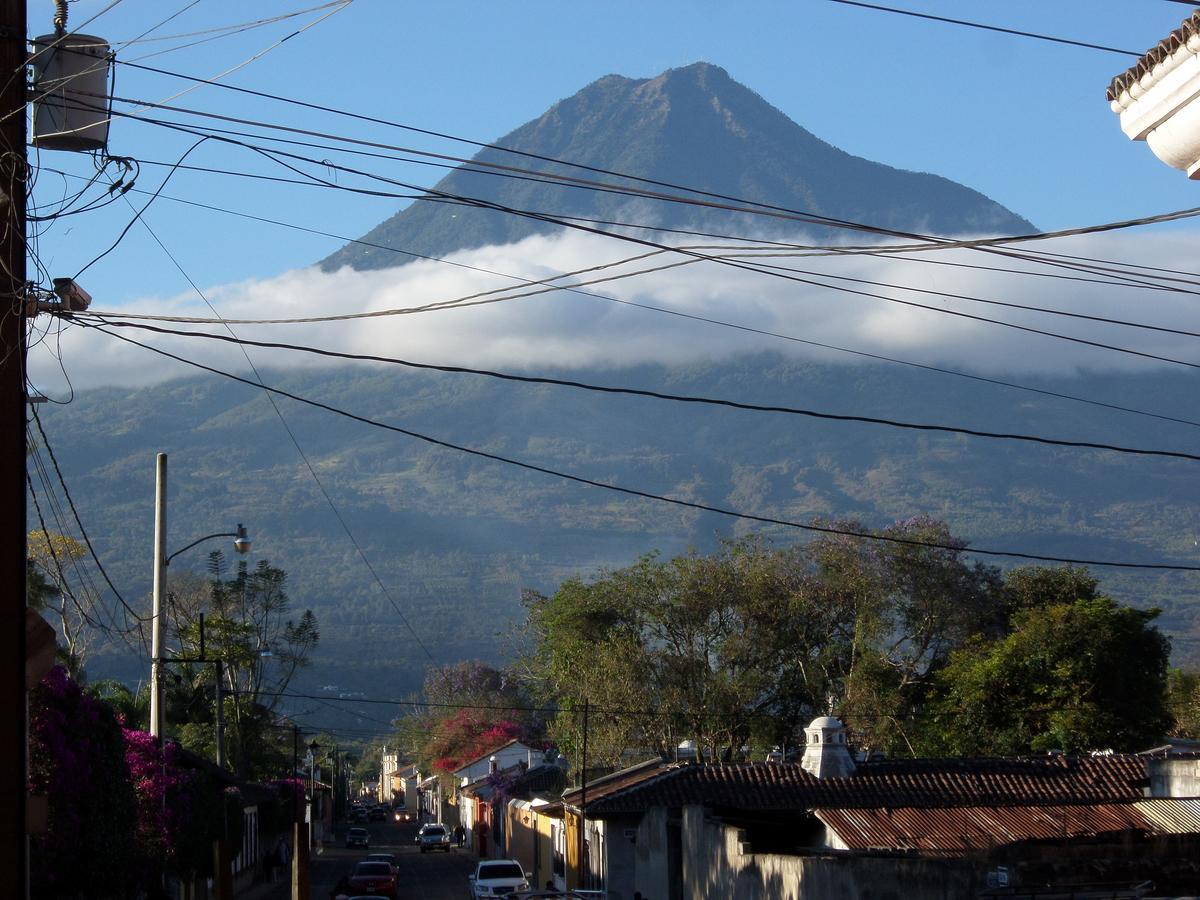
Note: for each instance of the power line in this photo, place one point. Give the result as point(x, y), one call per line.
point(633, 492)
point(767, 209)
point(1013, 31)
point(79, 522)
point(296, 443)
point(681, 314)
point(720, 260)
point(660, 395)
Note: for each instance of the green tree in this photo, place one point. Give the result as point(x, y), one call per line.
point(899, 607)
point(1073, 676)
point(1183, 691)
point(248, 627)
point(1034, 587)
point(131, 706)
point(70, 606)
point(733, 650)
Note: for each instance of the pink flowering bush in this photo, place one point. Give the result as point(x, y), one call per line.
point(122, 810)
point(77, 761)
point(181, 811)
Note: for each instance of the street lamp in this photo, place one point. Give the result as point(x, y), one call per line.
point(241, 544)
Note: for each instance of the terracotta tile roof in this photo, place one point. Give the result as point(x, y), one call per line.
point(918, 783)
point(617, 782)
point(1155, 63)
point(957, 830)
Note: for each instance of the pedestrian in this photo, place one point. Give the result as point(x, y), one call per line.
point(341, 889)
point(275, 861)
point(460, 834)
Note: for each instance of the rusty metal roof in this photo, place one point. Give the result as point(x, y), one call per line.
point(954, 831)
point(916, 783)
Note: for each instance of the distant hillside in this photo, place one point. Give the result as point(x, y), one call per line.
point(457, 538)
point(693, 126)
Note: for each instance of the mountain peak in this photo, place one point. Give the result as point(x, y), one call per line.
point(696, 126)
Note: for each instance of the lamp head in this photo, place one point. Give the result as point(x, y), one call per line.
point(242, 542)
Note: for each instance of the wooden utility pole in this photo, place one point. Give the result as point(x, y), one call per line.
point(13, 841)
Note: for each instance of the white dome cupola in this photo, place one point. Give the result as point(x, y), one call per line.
point(826, 753)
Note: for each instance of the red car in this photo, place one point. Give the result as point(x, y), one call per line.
point(373, 878)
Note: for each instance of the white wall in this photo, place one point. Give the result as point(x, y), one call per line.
point(505, 758)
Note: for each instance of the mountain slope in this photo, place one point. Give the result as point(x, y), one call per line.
point(692, 126)
point(456, 538)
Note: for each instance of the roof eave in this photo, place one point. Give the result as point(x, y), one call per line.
point(1158, 98)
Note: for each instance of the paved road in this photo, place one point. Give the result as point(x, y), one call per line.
point(429, 876)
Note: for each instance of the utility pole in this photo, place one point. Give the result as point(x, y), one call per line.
point(14, 844)
point(220, 720)
point(584, 866)
point(160, 587)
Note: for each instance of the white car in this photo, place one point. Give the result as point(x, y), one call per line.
point(497, 877)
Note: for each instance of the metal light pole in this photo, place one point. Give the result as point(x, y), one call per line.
point(241, 544)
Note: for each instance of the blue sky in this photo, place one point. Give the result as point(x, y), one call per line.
point(1024, 121)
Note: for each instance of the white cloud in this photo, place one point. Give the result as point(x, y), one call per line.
point(564, 329)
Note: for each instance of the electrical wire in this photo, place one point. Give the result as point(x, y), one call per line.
point(747, 266)
point(980, 25)
point(296, 443)
point(660, 395)
point(643, 226)
point(986, 244)
point(693, 317)
point(37, 421)
point(646, 495)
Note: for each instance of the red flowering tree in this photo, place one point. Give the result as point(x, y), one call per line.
point(472, 709)
point(463, 737)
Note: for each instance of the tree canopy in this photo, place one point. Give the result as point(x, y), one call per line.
point(249, 628)
point(918, 648)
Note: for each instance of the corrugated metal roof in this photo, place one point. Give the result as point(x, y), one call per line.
point(957, 830)
point(1172, 815)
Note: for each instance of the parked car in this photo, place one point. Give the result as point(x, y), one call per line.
point(373, 877)
point(358, 837)
point(377, 814)
point(497, 877)
point(358, 814)
point(434, 837)
point(389, 858)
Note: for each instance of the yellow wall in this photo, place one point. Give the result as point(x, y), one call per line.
point(571, 823)
point(545, 849)
point(522, 833)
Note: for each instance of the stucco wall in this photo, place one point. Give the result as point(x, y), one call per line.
point(1174, 777)
point(715, 866)
point(622, 858)
point(652, 875)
